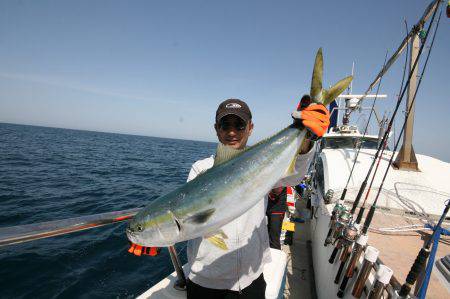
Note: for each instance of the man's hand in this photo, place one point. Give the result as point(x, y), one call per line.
point(314, 117)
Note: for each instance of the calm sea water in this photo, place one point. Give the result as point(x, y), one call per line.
point(48, 174)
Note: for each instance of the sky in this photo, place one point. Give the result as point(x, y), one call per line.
point(160, 68)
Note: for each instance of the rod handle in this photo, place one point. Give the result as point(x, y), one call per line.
point(343, 286)
point(333, 255)
point(368, 220)
point(360, 215)
point(339, 272)
point(358, 197)
point(327, 239)
point(344, 192)
point(416, 268)
point(350, 269)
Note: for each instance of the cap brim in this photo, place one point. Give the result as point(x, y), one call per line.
point(225, 113)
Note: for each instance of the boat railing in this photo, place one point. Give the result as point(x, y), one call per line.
point(29, 232)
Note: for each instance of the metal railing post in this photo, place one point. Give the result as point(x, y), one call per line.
point(180, 284)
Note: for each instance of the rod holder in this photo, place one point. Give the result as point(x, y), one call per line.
point(382, 278)
point(358, 249)
point(369, 259)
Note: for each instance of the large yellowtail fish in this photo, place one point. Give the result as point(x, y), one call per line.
point(202, 206)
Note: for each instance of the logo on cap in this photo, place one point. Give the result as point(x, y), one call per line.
point(233, 105)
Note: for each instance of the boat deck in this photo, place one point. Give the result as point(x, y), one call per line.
point(398, 251)
point(300, 273)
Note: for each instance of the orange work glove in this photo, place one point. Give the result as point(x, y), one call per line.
point(139, 250)
point(314, 117)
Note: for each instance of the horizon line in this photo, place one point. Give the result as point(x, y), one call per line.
point(106, 132)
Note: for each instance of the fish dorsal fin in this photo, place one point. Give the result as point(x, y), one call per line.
point(225, 153)
point(218, 239)
point(200, 217)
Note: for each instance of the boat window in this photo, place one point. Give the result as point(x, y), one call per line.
point(349, 142)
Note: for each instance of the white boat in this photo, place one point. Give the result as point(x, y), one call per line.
point(408, 200)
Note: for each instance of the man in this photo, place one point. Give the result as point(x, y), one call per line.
point(276, 208)
point(238, 271)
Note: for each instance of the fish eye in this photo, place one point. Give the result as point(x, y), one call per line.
point(140, 228)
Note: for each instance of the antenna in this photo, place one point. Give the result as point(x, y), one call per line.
point(351, 83)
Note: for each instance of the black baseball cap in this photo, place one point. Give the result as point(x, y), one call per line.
point(233, 106)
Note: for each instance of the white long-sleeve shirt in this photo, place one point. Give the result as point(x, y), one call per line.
point(248, 240)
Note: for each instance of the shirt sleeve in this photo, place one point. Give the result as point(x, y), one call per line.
point(300, 169)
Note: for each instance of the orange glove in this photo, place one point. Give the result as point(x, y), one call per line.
point(315, 118)
point(139, 250)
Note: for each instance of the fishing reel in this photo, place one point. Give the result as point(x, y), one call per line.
point(337, 213)
point(328, 196)
point(342, 221)
point(350, 233)
point(346, 234)
point(348, 237)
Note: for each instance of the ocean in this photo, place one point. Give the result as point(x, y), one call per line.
point(50, 174)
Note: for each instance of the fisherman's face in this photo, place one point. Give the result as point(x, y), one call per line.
point(233, 131)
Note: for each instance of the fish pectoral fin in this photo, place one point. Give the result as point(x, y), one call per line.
point(218, 240)
point(200, 217)
point(291, 168)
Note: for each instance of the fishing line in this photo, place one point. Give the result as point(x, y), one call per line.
point(373, 207)
point(344, 192)
point(385, 137)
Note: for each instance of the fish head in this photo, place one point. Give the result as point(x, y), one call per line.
point(154, 228)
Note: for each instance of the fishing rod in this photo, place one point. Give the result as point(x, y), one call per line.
point(344, 192)
point(404, 44)
point(345, 242)
point(362, 240)
point(352, 229)
point(414, 30)
point(35, 231)
point(338, 205)
point(415, 270)
point(422, 256)
point(386, 134)
point(369, 216)
point(361, 211)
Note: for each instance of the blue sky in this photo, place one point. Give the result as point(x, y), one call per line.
point(160, 68)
